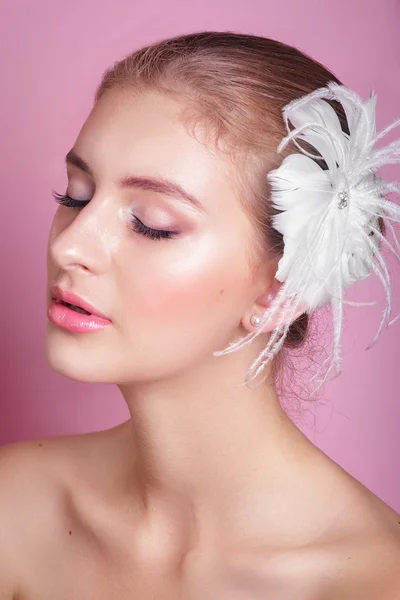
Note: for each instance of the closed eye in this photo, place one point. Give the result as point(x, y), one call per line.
point(66, 200)
point(137, 225)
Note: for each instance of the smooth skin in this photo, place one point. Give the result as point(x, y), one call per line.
point(208, 491)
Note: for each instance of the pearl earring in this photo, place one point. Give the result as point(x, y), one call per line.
point(255, 320)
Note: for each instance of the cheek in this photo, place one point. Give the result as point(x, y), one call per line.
point(188, 284)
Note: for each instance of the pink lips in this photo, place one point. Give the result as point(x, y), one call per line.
point(69, 319)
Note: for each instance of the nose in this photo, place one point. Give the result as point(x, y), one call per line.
point(78, 238)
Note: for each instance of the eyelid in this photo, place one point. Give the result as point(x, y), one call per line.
point(138, 226)
point(147, 231)
point(68, 201)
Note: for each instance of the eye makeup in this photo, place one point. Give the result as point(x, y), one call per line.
point(137, 225)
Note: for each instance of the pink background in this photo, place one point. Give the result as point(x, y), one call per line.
point(53, 53)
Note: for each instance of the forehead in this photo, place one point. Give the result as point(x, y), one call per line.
point(143, 133)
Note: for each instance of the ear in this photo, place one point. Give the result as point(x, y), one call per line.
point(263, 302)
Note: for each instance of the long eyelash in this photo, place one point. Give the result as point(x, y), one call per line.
point(154, 234)
point(138, 226)
point(66, 200)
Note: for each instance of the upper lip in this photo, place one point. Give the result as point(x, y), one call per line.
point(72, 298)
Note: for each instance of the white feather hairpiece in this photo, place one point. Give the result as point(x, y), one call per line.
point(328, 217)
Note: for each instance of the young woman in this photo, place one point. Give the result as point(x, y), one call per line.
point(162, 253)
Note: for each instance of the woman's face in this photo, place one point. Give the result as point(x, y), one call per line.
point(171, 302)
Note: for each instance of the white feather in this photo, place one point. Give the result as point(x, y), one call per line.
point(328, 244)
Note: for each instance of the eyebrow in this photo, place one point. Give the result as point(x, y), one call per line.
point(159, 185)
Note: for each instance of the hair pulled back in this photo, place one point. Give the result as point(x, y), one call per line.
point(236, 85)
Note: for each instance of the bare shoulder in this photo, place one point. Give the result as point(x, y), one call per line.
point(367, 561)
point(360, 560)
point(349, 550)
point(34, 470)
point(366, 565)
point(36, 480)
point(360, 551)
point(27, 502)
point(26, 474)
point(32, 477)
point(361, 567)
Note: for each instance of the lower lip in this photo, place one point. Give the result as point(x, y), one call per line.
point(69, 319)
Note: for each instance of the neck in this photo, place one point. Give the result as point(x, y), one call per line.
point(208, 451)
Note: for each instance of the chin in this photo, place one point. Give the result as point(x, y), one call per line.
point(68, 358)
point(72, 369)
